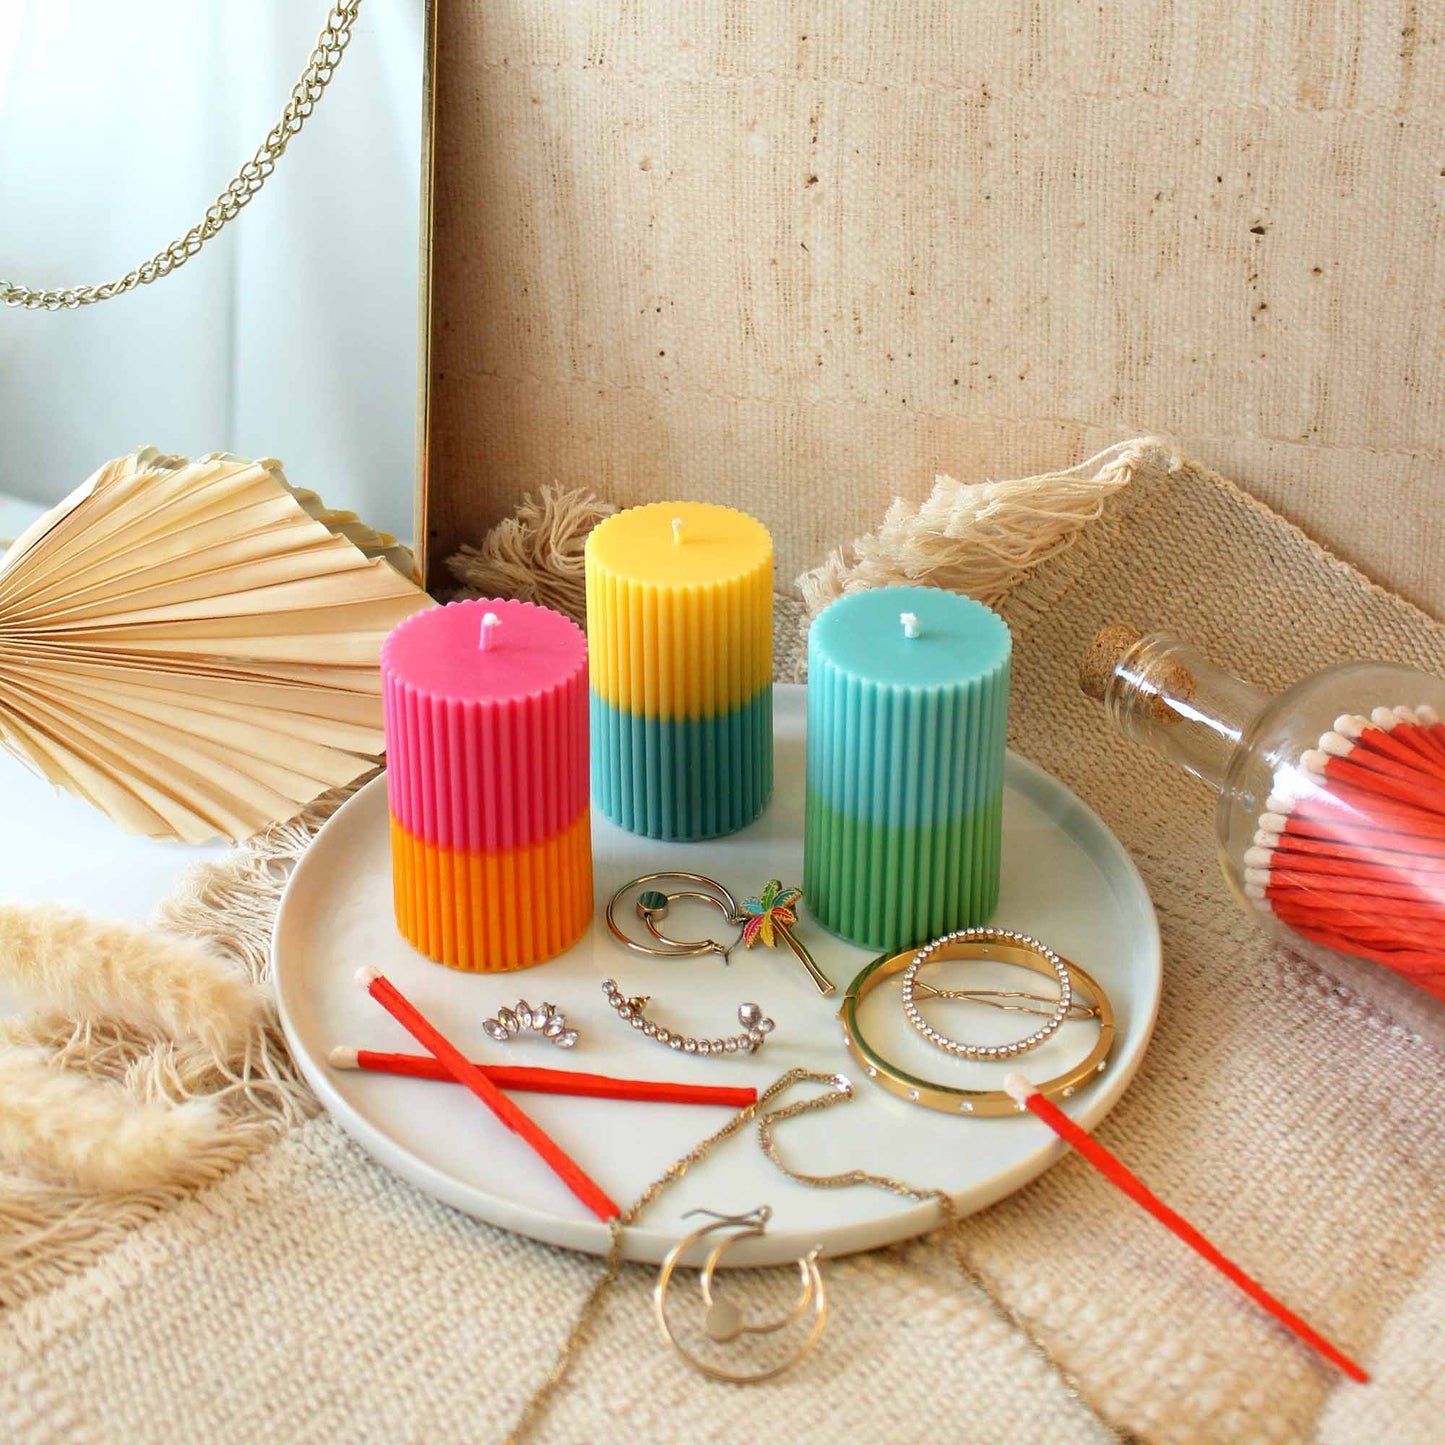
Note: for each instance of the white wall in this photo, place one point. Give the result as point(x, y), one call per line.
point(294, 333)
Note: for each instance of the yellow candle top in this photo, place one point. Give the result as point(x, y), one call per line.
point(680, 544)
point(680, 609)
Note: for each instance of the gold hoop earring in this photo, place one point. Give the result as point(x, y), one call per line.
point(723, 1321)
point(652, 905)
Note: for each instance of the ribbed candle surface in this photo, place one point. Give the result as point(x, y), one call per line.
point(680, 627)
point(907, 717)
point(487, 763)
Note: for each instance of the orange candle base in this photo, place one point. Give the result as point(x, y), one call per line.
point(493, 912)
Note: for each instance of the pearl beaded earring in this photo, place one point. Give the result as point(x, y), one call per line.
point(756, 1026)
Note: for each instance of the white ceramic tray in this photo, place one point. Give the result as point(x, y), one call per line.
point(1065, 878)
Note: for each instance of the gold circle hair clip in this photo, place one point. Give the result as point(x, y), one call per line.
point(767, 918)
point(981, 945)
point(977, 1103)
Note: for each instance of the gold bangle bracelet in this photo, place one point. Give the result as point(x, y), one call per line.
point(977, 1103)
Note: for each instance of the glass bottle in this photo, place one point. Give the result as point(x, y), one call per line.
point(1331, 802)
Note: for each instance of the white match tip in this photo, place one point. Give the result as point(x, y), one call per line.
point(1351, 724)
point(1260, 857)
point(367, 976)
point(1383, 717)
point(1018, 1089)
point(677, 529)
point(341, 1058)
point(1404, 715)
point(1272, 822)
point(1257, 875)
point(1313, 761)
point(1289, 787)
point(1279, 804)
point(1337, 745)
point(1255, 892)
point(910, 623)
point(1428, 716)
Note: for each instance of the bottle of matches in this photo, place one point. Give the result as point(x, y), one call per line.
point(1331, 812)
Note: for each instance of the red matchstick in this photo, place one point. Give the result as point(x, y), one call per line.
point(467, 1073)
point(1125, 1180)
point(550, 1081)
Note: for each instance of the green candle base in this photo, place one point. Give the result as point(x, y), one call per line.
point(885, 886)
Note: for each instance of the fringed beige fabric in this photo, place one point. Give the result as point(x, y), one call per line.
point(536, 554)
point(981, 538)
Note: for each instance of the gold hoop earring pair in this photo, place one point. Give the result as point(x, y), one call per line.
point(723, 1321)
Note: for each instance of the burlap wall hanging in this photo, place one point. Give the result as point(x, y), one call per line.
point(802, 257)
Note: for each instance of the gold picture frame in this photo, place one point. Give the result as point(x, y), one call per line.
point(424, 293)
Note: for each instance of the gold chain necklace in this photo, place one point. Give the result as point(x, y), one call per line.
point(839, 1091)
point(320, 68)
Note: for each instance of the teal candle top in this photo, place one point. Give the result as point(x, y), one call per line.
point(911, 637)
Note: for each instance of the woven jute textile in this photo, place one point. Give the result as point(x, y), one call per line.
point(797, 256)
point(311, 1296)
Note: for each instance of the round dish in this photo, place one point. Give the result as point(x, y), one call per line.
point(1065, 879)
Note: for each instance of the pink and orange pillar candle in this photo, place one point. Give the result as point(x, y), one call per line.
point(487, 781)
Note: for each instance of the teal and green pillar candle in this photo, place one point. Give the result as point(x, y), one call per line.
point(907, 720)
point(680, 642)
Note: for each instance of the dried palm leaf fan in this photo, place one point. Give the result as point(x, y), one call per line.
point(185, 646)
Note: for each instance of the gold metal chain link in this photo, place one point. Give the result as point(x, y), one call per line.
point(839, 1091)
point(305, 94)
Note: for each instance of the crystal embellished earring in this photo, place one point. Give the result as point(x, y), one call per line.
point(546, 1019)
point(756, 1026)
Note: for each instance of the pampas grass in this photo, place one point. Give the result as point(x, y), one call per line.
point(63, 1127)
point(50, 1226)
point(92, 969)
point(129, 1099)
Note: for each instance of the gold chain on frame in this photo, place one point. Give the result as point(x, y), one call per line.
point(839, 1091)
point(320, 68)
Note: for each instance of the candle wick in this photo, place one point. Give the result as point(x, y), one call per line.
point(490, 623)
point(677, 529)
point(911, 627)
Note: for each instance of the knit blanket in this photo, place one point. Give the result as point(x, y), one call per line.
point(308, 1294)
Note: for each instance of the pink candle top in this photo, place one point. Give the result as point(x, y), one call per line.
point(486, 724)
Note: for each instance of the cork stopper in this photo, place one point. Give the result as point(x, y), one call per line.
point(1103, 655)
point(1161, 681)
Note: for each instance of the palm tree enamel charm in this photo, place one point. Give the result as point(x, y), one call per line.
point(771, 916)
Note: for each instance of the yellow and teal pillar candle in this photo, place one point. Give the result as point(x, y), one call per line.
point(680, 635)
point(907, 722)
point(486, 775)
